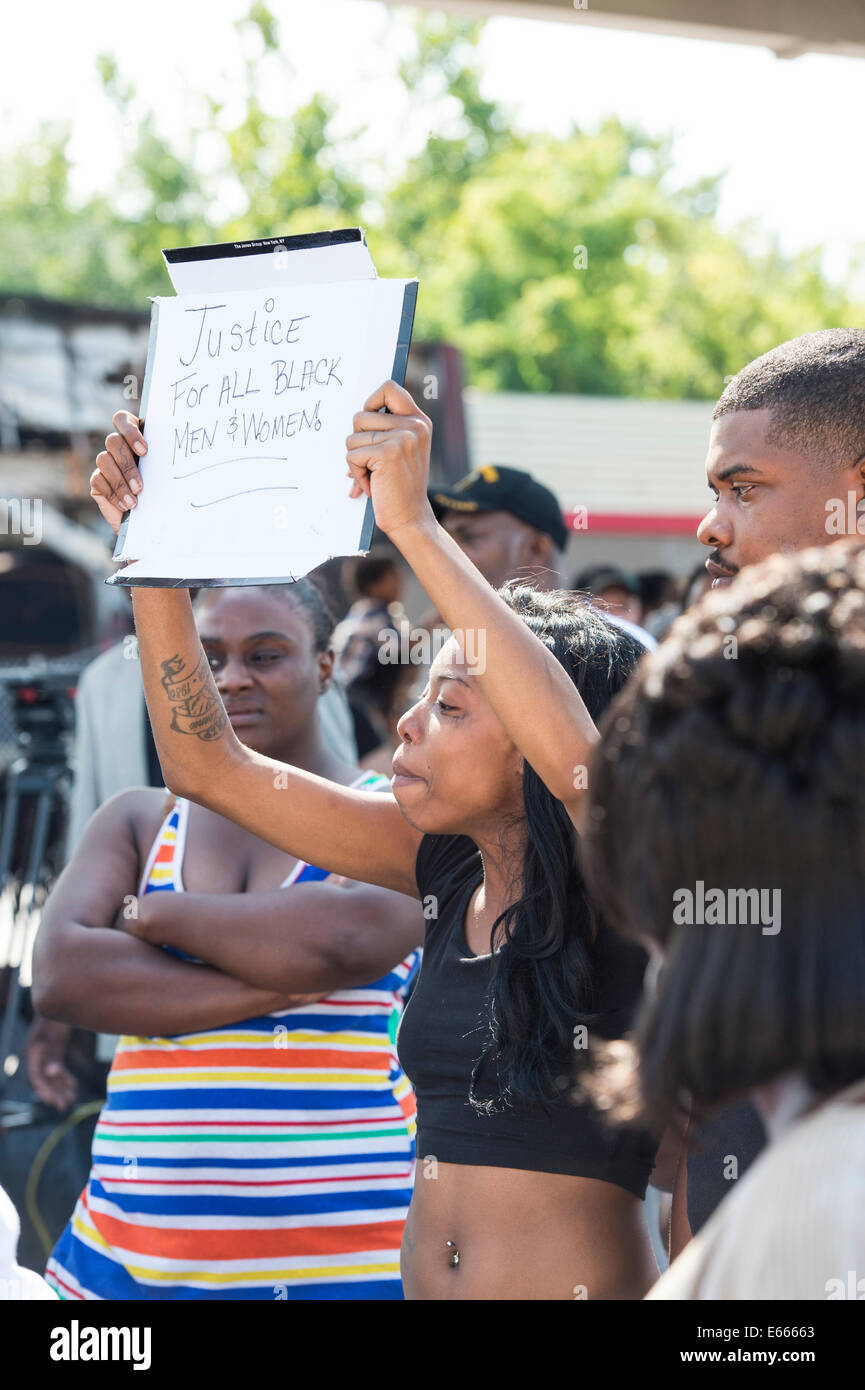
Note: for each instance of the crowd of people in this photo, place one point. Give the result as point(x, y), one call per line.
point(617, 873)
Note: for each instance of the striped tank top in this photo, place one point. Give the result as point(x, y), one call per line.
point(268, 1159)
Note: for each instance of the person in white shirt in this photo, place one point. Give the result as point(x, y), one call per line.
point(16, 1282)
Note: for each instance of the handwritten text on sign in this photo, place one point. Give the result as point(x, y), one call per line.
point(251, 396)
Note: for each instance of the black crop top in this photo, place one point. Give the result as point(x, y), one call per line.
point(443, 1032)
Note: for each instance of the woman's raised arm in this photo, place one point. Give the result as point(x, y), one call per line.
point(532, 695)
point(361, 835)
point(87, 973)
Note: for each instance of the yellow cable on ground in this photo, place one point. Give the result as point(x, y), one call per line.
point(92, 1107)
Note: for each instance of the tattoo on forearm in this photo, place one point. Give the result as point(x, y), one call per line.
point(196, 706)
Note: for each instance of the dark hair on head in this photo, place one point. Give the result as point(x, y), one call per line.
point(542, 984)
point(303, 593)
point(585, 578)
point(657, 587)
point(815, 388)
point(369, 569)
point(734, 761)
point(600, 577)
point(306, 594)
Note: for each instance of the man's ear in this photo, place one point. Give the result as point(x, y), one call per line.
point(326, 663)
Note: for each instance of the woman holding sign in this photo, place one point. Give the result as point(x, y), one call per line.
point(521, 1191)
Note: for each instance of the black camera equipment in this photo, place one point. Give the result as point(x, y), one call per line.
point(32, 828)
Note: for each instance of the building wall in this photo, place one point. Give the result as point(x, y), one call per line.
point(637, 467)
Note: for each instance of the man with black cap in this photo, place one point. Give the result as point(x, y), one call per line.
point(511, 527)
point(508, 524)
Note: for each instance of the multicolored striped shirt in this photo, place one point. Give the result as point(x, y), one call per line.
point(269, 1159)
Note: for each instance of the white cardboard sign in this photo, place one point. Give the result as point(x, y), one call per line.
point(248, 400)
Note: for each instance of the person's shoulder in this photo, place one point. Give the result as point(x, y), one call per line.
point(784, 1229)
point(829, 1139)
point(137, 802)
point(635, 630)
point(143, 809)
point(129, 817)
point(806, 1166)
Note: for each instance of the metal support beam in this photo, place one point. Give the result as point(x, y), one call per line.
point(788, 27)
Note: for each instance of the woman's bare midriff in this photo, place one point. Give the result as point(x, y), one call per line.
point(505, 1233)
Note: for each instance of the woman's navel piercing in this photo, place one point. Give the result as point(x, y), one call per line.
point(455, 1254)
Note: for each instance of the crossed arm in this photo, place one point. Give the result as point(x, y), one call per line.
point(317, 937)
point(88, 973)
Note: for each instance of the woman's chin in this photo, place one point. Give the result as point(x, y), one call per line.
point(425, 813)
point(410, 795)
point(407, 789)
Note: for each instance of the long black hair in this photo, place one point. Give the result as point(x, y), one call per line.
point(542, 979)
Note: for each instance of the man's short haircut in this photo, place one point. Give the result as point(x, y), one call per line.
point(815, 388)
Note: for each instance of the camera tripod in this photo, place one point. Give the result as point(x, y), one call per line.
point(37, 793)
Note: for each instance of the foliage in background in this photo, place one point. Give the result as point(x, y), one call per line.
point(569, 264)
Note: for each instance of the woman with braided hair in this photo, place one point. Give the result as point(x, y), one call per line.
point(727, 829)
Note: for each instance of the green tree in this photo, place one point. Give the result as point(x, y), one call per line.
point(555, 264)
point(442, 76)
point(571, 265)
point(281, 173)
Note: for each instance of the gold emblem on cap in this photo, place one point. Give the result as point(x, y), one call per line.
point(454, 503)
point(487, 474)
